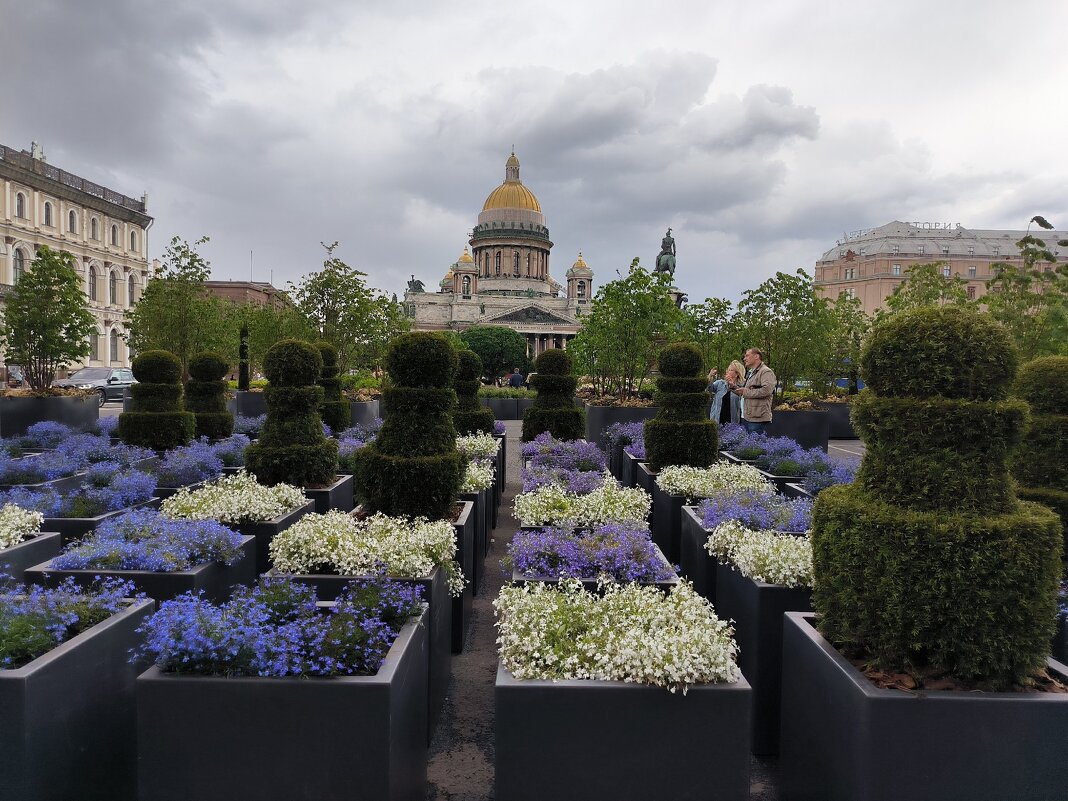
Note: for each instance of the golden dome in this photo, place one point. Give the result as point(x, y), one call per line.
point(512, 194)
point(466, 258)
point(512, 161)
point(581, 263)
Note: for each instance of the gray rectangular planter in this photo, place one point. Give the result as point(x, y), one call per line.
point(502, 462)
point(15, 560)
point(598, 418)
point(359, 738)
point(74, 528)
point(363, 412)
point(697, 564)
point(844, 739)
point(19, 413)
point(667, 521)
point(338, 495)
point(757, 611)
point(167, 492)
point(67, 725)
point(810, 429)
point(780, 482)
point(521, 406)
point(465, 556)
point(591, 583)
point(839, 424)
point(480, 505)
point(502, 408)
point(267, 530)
point(630, 470)
point(215, 580)
point(794, 490)
point(584, 740)
point(248, 404)
point(60, 485)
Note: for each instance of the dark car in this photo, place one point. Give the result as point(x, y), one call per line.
point(108, 382)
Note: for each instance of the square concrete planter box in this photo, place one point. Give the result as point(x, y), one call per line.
point(521, 406)
point(15, 560)
point(67, 725)
point(214, 738)
point(780, 482)
point(60, 485)
point(74, 528)
point(267, 530)
point(794, 490)
point(645, 478)
point(19, 413)
point(480, 502)
point(248, 404)
point(502, 408)
point(584, 740)
point(844, 739)
point(591, 583)
point(338, 495)
point(215, 580)
point(615, 461)
point(598, 418)
point(730, 457)
point(757, 611)
point(667, 521)
point(630, 470)
point(465, 556)
point(839, 424)
point(166, 492)
point(696, 564)
point(439, 628)
point(363, 412)
point(810, 429)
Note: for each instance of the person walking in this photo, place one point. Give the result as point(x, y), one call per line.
point(756, 392)
point(726, 406)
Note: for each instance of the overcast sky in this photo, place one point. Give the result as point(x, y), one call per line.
point(760, 132)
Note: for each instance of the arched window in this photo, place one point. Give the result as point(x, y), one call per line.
point(582, 289)
point(48, 214)
point(92, 281)
point(497, 264)
point(133, 241)
point(467, 284)
point(94, 345)
point(131, 290)
point(20, 266)
point(515, 263)
point(72, 222)
point(114, 234)
point(94, 229)
point(113, 352)
point(113, 288)
point(20, 205)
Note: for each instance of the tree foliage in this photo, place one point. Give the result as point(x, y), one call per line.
point(711, 327)
point(500, 349)
point(925, 285)
point(47, 321)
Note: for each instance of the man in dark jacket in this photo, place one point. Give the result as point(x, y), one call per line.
point(516, 379)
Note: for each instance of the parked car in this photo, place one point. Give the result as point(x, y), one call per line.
point(109, 383)
point(15, 378)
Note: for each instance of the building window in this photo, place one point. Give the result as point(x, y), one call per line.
point(115, 235)
point(94, 229)
point(48, 214)
point(946, 272)
point(497, 264)
point(466, 283)
point(72, 222)
point(862, 251)
point(132, 291)
point(133, 241)
point(997, 250)
point(971, 272)
point(971, 250)
point(92, 281)
point(582, 289)
point(921, 249)
point(945, 250)
point(20, 205)
point(971, 293)
point(895, 269)
point(113, 346)
point(113, 288)
point(897, 249)
point(94, 346)
point(20, 266)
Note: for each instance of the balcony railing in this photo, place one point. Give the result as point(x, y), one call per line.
point(25, 161)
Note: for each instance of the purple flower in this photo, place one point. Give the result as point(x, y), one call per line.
point(623, 433)
point(188, 464)
point(841, 472)
point(570, 455)
point(232, 450)
point(623, 551)
point(730, 435)
point(499, 427)
point(636, 449)
point(757, 510)
point(106, 426)
point(365, 432)
point(46, 434)
point(248, 425)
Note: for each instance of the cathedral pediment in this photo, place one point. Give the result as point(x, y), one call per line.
point(532, 313)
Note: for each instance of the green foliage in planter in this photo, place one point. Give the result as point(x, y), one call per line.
point(156, 418)
point(413, 467)
point(292, 448)
point(205, 395)
point(681, 433)
point(335, 409)
point(470, 417)
point(554, 408)
point(928, 560)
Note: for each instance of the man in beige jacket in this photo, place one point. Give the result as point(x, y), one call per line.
point(756, 391)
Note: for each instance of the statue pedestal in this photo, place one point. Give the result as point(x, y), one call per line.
point(678, 296)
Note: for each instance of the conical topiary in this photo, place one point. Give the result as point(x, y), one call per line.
point(681, 433)
point(205, 395)
point(292, 448)
point(554, 409)
point(413, 467)
point(156, 418)
point(335, 409)
point(471, 417)
point(1040, 464)
point(928, 561)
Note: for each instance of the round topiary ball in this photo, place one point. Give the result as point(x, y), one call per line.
point(681, 360)
point(554, 361)
point(421, 359)
point(469, 366)
point(292, 363)
point(952, 352)
point(328, 353)
point(208, 367)
point(157, 367)
point(1043, 383)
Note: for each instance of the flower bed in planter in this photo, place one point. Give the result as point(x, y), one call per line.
point(478, 488)
point(615, 657)
point(17, 414)
point(186, 466)
point(810, 429)
point(67, 731)
point(246, 734)
point(232, 452)
point(553, 505)
point(22, 544)
point(600, 419)
point(160, 557)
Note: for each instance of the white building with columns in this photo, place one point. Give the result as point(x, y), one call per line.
point(503, 278)
point(105, 231)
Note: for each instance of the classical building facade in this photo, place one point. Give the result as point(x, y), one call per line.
point(105, 231)
point(262, 293)
point(869, 264)
point(503, 278)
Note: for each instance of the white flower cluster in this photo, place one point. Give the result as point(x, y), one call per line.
point(767, 556)
point(233, 499)
point(553, 505)
point(630, 633)
point(17, 524)
point(477, 477)
point(704, 482)
point(339, 544)
point(478, 446)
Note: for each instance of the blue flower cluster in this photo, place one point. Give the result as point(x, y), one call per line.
point(248, 425)
point(352, 439)
point(784, 457)
point(47, 434)
point(105, 426)
point(365, 432)
point(580, 482)
point(623, 551)
point(499, 428)
point(34, 620)
point(231, 451)
point(188, 464)
point(840, 473)
point(624, 433)
point(277, 629)
point(142, 539)
point(730, 435)
point(107, 488)
point(544, 450)
point(761, 511)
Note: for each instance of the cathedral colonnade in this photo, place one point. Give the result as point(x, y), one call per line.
point(540, 341)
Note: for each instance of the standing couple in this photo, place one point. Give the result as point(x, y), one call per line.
point(744, 394)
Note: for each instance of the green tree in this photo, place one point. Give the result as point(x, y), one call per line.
point(47, 321)
point(711, 327)
point(177, 313)
point(500, 349)
point(267, 326)
point(926, 285)
point(848, 327)
point(630, 320)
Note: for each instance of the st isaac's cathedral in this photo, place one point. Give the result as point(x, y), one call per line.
point(503, 279)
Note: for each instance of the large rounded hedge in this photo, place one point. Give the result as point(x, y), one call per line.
point(156, 367)
point(335, 409)
point(928, 561)
point(553, 409)
point(205, 395)
point(470, 417)
point(292, 448)
point(681, 433)
point(413, 467)
point(156, 418)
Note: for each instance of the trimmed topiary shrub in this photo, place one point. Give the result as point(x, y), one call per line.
point(156, 418)
point(681, 433)
point(470, 417)
point(1040, 463)
point(413, 467)
point(292, 448)
point(928, 561)
point(243, 373)
point(335, 409)
point(553, 409)
point(205, 395)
